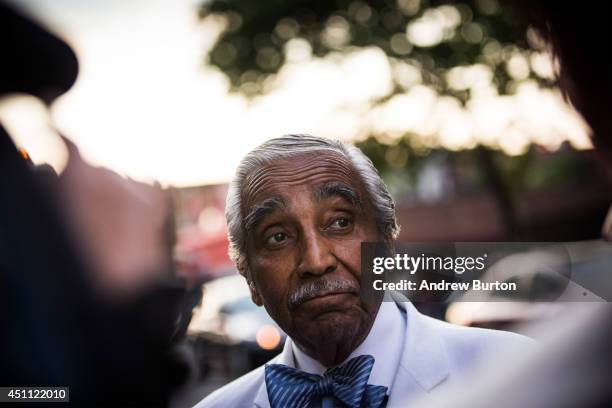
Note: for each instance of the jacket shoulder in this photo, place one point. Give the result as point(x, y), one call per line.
point(239, 393)
point(464, 345)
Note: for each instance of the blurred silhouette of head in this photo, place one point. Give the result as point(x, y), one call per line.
point(34, 61)
point(580, 35)
point(581, 38)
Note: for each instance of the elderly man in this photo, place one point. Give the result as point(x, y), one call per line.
point(297, 212)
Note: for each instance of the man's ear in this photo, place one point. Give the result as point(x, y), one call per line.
point(254, 293)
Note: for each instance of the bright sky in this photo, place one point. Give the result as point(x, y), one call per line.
point(146, 106)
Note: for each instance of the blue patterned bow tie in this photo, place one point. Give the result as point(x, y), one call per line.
point(291, 388)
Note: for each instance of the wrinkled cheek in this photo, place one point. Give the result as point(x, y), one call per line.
point(350, 255)
point(273, 298)
point(273, 274)
point(273, 280)
point(274, 303)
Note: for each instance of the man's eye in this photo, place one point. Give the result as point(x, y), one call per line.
point(341, 223)
point(277, 238)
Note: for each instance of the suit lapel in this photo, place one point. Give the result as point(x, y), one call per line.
point(285, 358)
point(423, 364)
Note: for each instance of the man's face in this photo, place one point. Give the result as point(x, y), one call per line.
point(306, 218)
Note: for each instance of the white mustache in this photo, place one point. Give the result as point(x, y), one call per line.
point(320, 288)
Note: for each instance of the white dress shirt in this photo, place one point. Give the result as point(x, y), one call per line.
point(385, 343)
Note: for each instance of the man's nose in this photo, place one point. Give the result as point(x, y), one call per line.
point(317, 258)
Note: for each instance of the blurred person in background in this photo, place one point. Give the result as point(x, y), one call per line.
point(297, 211)
point(87, 295)
point(571, 368)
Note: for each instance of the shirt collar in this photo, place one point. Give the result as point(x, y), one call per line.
point(384, 342)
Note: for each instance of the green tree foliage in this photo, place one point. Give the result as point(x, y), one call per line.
point(252, 48)
point(450, 44)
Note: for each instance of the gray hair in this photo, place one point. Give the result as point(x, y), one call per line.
point(297, 145)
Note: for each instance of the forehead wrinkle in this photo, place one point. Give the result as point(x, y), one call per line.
point(292, 172)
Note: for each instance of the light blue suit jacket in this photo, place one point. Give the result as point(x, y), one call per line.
point(435, 352)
